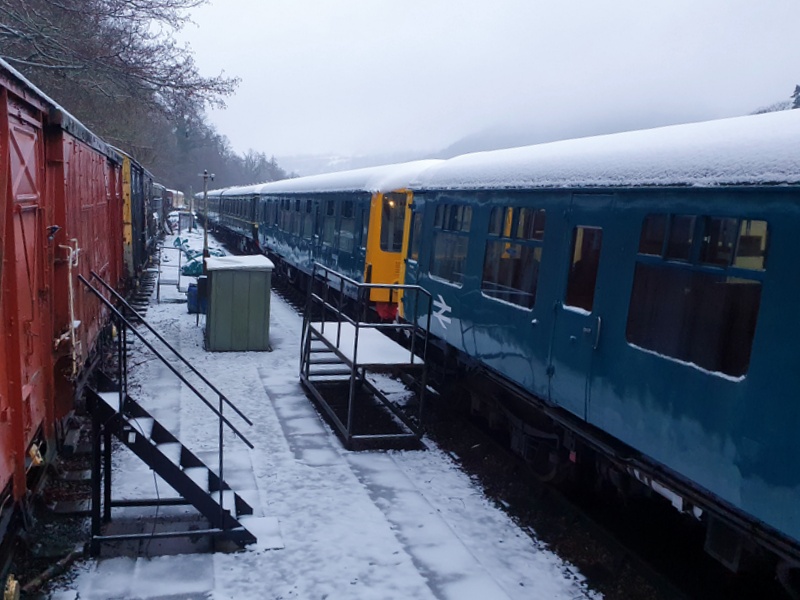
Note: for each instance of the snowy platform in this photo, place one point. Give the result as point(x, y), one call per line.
point(330, 523)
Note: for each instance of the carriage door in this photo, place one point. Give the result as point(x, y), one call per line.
point(412, 237)
point(578, 322)
point(362, 233)
point(27, 269)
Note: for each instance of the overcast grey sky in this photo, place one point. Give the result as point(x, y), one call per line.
point(371, 76)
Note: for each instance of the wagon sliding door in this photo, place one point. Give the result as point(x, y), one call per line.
point(25, 300)
point(578, 323)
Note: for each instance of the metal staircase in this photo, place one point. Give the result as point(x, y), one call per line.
point(117, 414)
point(322, 364)
point(197, 484)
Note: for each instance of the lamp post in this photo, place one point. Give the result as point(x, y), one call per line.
point(206, 176)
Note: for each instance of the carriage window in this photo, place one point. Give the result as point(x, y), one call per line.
point(453, 217)
point(500, 221)
point(511, 272)
point(347, 228)
point(329, 223)
point(751, 249)
point(511, 265)
point(719, 240)
point(705, 319)
point(393, 218)
point(416, 232)
point(586, 245)
point(450, 241)
point(681, 234)
point(449, 256)
point(308, 220)
point(654, 229)
point(463, 218)
point(530, 224)
point(282, 214)
point(364, 227)
point(297, 220)
point(695, 314)
point(286, 215)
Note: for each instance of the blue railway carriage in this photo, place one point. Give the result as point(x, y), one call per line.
point(353, 222)
point(235, 213)
point(640, 290)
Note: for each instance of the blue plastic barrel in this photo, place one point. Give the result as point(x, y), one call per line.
point(191, 298)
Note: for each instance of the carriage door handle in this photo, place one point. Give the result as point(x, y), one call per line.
point(597, 333)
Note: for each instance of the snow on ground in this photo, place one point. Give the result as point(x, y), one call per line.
point(331, 523)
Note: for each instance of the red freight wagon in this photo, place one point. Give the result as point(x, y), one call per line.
point(86, 192)
point(26, 310)
point(60, 216)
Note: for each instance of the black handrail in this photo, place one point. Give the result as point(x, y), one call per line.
point(177, 373)
point(168, 345)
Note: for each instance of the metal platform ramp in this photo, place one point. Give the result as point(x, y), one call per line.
point(342, 351)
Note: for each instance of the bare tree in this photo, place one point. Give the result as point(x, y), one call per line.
point(116, 66)
point(117, 49)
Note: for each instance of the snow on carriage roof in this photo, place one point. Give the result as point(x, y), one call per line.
point(371, 179)
point(758, 149)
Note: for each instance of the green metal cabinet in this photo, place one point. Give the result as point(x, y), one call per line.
point(238, 303)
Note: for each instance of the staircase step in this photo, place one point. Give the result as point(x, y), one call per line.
point(110, 398)
point(172, 450)
point(72, 507)
point(328, 378)
point(71, 442)
point(199, 475)
point(143, 425)
point(82, 475)
point(330, 371)
point(326, 361)
point(228, 500)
